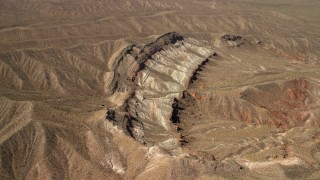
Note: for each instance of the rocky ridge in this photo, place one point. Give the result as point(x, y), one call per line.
point(155, 77)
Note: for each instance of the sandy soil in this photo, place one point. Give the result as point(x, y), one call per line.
point(140, 89)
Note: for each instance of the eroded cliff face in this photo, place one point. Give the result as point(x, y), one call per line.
point(251, 112)
point(155, 76)
point(171, 102)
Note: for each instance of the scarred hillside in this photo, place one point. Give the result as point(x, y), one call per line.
point(141, 89)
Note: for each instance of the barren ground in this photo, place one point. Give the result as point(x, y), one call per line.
point(141, 89)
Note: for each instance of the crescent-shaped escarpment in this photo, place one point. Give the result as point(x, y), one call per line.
point(156, 75)
point(159, 89)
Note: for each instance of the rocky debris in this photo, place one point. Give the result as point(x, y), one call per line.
point(230, 40)
point(229, 37)
point(175, 112)
point(200, 67)
point(111, 114)
point(156, 75)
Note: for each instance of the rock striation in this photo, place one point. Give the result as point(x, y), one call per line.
point(154, 76)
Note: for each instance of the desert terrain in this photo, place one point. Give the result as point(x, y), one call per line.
point(159, 89)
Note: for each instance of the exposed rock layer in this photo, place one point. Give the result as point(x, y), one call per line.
point(156, 75)
point(60, 73)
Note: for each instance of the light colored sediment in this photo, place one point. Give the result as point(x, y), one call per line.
point(65, 63)
point(159, 78)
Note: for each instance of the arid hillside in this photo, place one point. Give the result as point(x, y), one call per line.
point(159, 89)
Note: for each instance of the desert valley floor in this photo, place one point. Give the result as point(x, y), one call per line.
point(159, 89)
